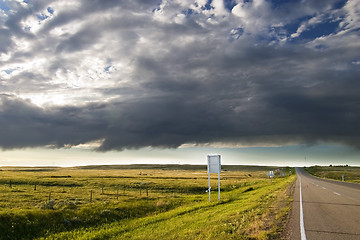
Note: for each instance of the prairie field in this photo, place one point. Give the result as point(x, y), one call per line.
point(351, 174)
point(143, 202)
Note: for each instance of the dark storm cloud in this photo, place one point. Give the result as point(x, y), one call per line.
point(5, 40)
point(142, 74)
point(28, 125)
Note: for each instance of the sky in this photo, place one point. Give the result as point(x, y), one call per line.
point(262, 82)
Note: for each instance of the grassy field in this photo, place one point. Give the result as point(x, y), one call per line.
point(142, 202)
point(351, 174)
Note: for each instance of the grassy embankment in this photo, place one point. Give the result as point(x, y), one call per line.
point(141, 202)
point(351, 174)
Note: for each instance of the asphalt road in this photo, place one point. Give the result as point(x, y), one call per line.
point(326, 210)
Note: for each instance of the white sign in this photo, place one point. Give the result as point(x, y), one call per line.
point(214, 164)
point(270, 174)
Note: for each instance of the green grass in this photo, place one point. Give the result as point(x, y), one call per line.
point(351, 174)
point(172, 204)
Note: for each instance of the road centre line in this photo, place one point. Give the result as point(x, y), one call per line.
point(302, 228)
point(336, 193)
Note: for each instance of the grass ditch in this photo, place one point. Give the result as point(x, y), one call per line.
point(244, 214)
point(349, 173)
point(121, 207)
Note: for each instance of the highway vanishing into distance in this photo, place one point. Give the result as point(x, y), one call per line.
point(324, 209)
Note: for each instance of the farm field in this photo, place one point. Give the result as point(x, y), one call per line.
point(143, 202)
point(351, 174)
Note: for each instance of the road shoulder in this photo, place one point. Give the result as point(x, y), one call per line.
point(291, 228)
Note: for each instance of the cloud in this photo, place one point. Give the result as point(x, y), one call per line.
point(135, 74)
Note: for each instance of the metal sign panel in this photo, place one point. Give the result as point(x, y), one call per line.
point(214, 164)
point(270, 174)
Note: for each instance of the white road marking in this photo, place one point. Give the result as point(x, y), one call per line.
point(323, 188)
point(302, 228)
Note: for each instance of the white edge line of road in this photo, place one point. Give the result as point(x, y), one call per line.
point(302, 228)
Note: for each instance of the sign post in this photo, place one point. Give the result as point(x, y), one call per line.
point(214, 166)
point(271, 175)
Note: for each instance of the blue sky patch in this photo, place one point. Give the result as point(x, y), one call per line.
point(188, 12)
point(207, 5)
point(229, 4)
point(278, 3)
point(41, 16)
point(9, 71)
point(107, 68)
point(340, 4)
point(50, 10)
point(319, 30)
point(3, 6)
point(293, 26)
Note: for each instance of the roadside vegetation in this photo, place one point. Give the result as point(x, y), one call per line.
point(143, 202)
point(340, 173)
